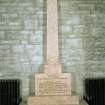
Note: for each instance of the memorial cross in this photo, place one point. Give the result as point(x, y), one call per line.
point(52, 81)
point(52, 87)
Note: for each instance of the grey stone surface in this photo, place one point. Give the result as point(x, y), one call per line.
point(21, 40)
point(81, 39)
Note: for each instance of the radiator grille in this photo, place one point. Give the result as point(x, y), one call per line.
point(9, 92)
point(95, 91)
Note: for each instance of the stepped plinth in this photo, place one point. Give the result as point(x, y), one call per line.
point(53, 100)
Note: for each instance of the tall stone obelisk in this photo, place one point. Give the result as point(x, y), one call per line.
point(52, 87)
point(52, 32)
point(52, 54)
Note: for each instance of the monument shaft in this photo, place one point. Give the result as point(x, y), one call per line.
point(52, 32)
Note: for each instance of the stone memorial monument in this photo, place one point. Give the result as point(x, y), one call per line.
point(52, 87)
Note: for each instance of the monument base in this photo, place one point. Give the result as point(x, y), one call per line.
point(53, 81)
point(53, 87)
point(53, 100)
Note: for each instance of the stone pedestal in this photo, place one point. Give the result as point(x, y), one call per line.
point(53, 88)
point(53, 83)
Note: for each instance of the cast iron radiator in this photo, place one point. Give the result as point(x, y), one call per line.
point(10, 92)
point(95, 91)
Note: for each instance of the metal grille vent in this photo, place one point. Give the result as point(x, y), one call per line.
point(9, 92)
point(95, 91)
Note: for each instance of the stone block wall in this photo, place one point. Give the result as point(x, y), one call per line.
point(81, 39)
point(21, 39)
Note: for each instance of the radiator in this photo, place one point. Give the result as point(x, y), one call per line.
point(95, 91)
point(9, 92)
